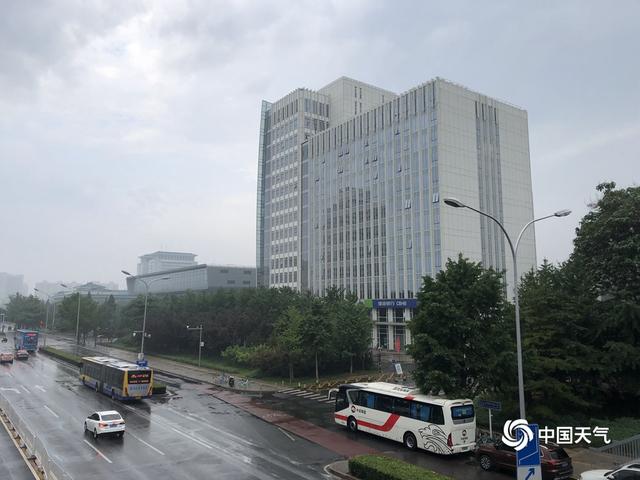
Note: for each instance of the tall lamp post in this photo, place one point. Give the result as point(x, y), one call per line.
point(144, 316)
point(454, 202)
point(46, 320)
point(77, 316)
point(200, 344)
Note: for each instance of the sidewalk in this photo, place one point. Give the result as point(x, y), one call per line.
point(162, 365)
point(584, 459)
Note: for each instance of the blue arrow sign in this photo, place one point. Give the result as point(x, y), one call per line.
point(529, 456)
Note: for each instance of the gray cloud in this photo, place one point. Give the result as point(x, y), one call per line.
point(129, 127)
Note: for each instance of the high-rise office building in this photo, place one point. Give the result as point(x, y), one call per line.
point(364, 207)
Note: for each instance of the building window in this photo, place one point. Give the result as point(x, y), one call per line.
point(383, 336)
point(231, 282)
point(246, 282)
point(224, 271)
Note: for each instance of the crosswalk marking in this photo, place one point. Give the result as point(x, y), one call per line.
point(289, 390)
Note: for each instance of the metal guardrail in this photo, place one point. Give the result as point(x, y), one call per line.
point(629, 448)
point(34, 445)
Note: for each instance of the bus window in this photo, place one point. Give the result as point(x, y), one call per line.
point(461, 414)
point(437, 416)
point(420, 411)
point(401, 407)
point(384, 403)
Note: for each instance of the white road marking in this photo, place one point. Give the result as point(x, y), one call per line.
point(10, 389)
point(301, 394)
point(98, 452)
point(52, 412)
point(39, 387)
point(192, 438)
point(25, 389)
point(289, 436)
point(148, 445)
point(289, 390)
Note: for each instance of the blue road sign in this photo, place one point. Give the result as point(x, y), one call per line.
point(530, 454)
point(528, 458)
point(142, 363)
point(491, 405)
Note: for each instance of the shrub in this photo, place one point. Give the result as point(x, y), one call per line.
point(62, 355)
point(378, 467)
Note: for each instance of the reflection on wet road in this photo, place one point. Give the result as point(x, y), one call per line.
point(186, 435)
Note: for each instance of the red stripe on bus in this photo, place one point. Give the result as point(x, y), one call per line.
point(388, 425)
point(409, 397)
point(340, 417)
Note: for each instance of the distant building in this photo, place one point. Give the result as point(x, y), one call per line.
point(11, 284)
point(52, 288)
point(161, 261)
point(99, 293)
point(197, 277)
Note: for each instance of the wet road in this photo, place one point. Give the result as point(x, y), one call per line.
point(187, 435)
point(320, 413)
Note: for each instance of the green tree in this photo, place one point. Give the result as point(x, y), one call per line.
point(606, 260)
point(462, 331)
point(288, 338)
point(67, 313)
point(26, 311)
point(558, 357)
point(316, 331)
point(352, 324)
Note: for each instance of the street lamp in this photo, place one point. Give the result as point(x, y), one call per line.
point(454, 202)
point(77, 316)
point(46, 321)
point(144, 316)
point(200, 344)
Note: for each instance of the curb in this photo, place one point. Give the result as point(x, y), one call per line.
point(331, 468)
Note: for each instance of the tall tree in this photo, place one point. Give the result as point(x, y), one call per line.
point(606, 258)
point(26, 311)
point(67, 312)
point(288, 338)
point(558, 357)
point(462, 331)
point(316, 331)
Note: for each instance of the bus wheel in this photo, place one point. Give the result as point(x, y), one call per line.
point(485, 462)
point(95, 434)
point(410, 441)
point(352, 423)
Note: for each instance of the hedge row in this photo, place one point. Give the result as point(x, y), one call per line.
point(158, 387)
point(378, 467)
point(62, 355)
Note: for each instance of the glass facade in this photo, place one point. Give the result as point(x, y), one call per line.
point(372, 200)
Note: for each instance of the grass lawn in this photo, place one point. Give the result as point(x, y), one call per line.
point(226, 367)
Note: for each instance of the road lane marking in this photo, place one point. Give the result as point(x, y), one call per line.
point(289, 390)
point(147, 444)
point(52, 412)
point(98, 451)
point(191, 438)
point(39, 387)
point(9, 389)
point(309, 395)
point(301, 394)
point(289, 436)
point(25, 389)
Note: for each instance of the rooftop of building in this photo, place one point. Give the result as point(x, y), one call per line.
point(164, 252)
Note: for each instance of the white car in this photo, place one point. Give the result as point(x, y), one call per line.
point(101, 423)
point(630, 471)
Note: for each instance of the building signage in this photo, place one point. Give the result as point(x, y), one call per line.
point(396, 303)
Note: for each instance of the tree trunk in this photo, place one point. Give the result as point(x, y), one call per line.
point(290, 371)
point(317, 376)
point(350, 363)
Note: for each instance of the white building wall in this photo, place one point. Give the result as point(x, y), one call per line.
point(458, 163)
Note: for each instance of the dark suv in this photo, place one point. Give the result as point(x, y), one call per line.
point(556, 464)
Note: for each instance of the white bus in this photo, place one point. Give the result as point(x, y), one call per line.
point(405, 415)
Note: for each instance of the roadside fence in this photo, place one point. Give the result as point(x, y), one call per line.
point(35, 448)
point(629, 448)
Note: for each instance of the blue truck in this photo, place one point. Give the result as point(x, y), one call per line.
point(26, 340)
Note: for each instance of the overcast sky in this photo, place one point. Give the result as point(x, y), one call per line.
point(129, 127)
